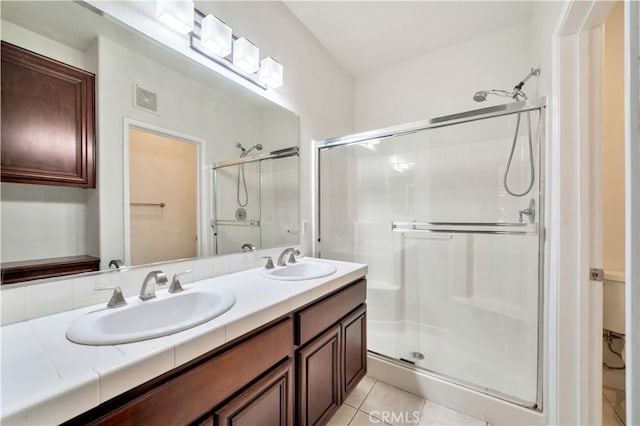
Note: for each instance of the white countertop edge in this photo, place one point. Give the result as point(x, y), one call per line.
point(148, 359)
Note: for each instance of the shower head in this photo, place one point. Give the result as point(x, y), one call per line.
point(516, 93)
point(480, 96)
point(245, 152)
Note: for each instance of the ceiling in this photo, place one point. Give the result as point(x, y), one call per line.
point(366, 35)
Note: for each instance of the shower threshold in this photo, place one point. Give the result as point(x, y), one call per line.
point(453, 380)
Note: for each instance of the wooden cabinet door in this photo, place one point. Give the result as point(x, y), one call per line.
point(269, 402)
point(318, 369)
point(48, 121)
point(354, 349)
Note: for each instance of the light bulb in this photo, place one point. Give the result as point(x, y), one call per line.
point(271, 72)
point(216, 36)
point(246, 55)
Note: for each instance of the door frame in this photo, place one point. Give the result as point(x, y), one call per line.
point(575, 371)
point(201, 203)
point(632, 208)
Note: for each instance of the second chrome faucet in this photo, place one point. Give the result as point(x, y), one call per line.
point(292, 252)
point(153, 278)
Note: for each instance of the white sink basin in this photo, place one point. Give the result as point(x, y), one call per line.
point(300, 271)
point(140, 320)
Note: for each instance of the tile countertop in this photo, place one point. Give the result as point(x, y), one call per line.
point(46, 379)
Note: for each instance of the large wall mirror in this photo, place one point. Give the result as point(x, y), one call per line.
point(188, 163)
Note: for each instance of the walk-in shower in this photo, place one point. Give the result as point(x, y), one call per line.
point(455, 260)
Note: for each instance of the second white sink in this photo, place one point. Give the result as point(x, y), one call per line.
point(141, 320)
point(300, 271)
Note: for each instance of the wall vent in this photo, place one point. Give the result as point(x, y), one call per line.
point(145, 99)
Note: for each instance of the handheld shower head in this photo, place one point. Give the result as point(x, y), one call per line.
point(480, 96)
point(245, 152)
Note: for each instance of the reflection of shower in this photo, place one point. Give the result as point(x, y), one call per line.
point(516, 94)
point(241, 179)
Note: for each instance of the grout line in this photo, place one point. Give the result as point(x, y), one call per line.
point(367, 394)
point(352, 416)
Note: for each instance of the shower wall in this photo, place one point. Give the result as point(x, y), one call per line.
point(444, 81)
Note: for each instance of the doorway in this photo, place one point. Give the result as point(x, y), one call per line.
point(162, 206)
point(612, 216)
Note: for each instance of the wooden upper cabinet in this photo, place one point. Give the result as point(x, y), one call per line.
point(48, 121)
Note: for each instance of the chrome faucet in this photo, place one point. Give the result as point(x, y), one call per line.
point(292, 252)
point(116, 264)
point(153, 278)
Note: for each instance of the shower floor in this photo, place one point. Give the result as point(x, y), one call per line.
point(451, 357)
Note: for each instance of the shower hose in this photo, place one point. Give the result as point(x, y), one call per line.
point(513, 149)
point(242, 179)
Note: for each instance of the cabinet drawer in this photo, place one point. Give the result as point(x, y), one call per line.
point(318, 317)
point(189, 396)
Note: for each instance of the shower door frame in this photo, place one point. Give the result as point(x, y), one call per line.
point(538, 104)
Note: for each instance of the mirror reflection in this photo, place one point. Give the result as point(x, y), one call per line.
point(164, 128)
point(254, 201)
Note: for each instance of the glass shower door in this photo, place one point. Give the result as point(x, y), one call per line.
point(453, 282)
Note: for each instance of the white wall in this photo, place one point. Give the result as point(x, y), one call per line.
point(444, 81)
point(39, 221)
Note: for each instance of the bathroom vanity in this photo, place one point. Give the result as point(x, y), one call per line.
point(304, 354)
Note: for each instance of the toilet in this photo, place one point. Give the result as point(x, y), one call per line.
point(614, 330)
point(614, 301)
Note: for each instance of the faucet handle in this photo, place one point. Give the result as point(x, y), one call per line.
point(176, 286)
point(117, 299)
point(294, 256)
point(269, 264)
point(161, 277)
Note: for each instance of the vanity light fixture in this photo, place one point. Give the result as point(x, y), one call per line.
point(271, 72)
point(176, 14)
point(214, 39)
point(246, 55)
point(216, 36)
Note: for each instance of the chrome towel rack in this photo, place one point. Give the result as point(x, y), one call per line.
point(495, 228)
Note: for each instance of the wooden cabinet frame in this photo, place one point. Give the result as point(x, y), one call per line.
point(61, 159)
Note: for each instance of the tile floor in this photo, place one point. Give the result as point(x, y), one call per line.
point(376, 403)
point(614, 410)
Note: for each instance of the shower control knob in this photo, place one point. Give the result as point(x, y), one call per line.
point(530, 212)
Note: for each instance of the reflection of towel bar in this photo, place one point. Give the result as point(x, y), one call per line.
point(250, 222)
point(161, 205)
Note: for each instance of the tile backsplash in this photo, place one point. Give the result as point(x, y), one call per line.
point(22, 302)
